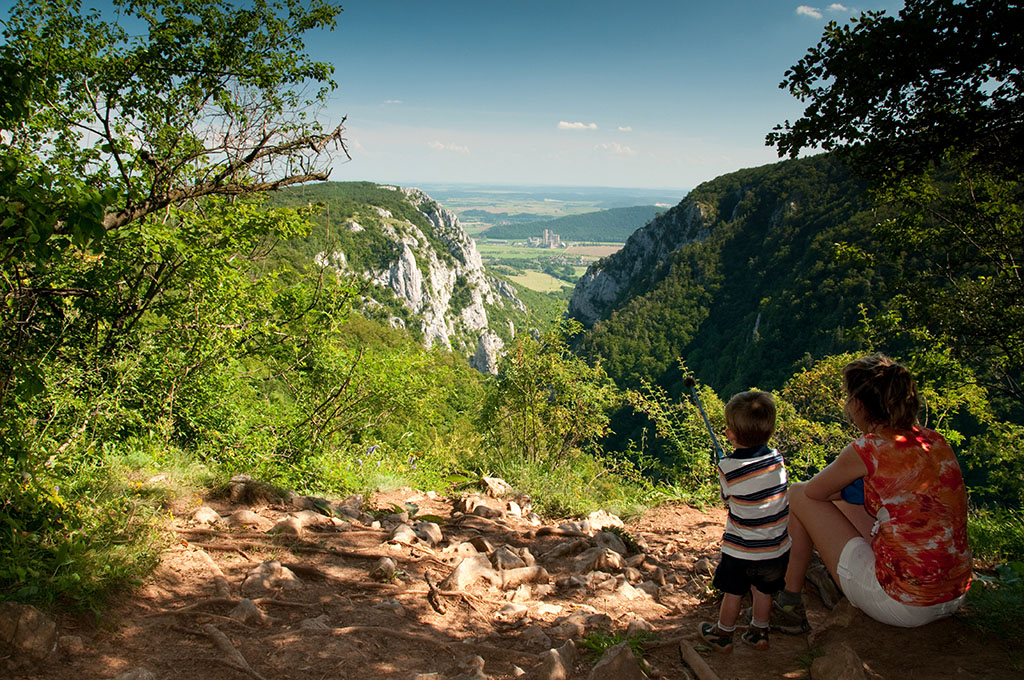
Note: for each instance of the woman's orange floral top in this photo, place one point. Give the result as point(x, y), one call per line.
point(915, 490)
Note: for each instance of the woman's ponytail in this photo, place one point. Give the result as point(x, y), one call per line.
point(885, 389)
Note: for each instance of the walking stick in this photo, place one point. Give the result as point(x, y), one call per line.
point(716, 453)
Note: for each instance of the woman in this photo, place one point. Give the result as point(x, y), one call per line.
point(908, 563)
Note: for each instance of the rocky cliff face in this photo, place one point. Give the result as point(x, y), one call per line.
point(436, 274)
point(608, 281)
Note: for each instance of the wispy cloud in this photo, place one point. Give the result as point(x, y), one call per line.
point(625, 128)
point(393, 102)
point(450, 148)
point(616, 148)
point(836, 7)
point(563, 125)
point(808, 11)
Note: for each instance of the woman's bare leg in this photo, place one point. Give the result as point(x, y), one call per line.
point(815, 524)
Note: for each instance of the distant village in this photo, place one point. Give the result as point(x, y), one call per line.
point(549, 240)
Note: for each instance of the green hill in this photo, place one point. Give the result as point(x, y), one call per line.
point(609, 226)
point(765, 292)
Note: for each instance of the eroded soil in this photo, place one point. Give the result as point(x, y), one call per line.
point(336, 621)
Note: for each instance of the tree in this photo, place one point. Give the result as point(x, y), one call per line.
point(899, 93)
point(929, 106)
point(547, 405)
point(106, 131)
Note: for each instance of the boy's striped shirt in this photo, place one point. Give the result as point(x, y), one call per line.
point(755, 484)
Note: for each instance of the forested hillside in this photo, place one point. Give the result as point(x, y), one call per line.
point(609, 226)
point(767, 290)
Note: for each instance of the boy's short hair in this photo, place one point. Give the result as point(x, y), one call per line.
point(751, 417)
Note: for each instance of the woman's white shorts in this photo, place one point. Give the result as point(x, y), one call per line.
point(857, 578)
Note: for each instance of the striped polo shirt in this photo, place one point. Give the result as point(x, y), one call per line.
point(754, 482)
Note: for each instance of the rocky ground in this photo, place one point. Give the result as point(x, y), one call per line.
point(416, 586)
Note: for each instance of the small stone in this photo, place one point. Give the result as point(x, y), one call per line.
point(72, 644)
point(391, 605)
point(628, 592)
point(205, 515)
point(510, 578)
point(403, 533)
point(527, 557)
point(514, 509)
point(556, 664)
point(383, 569)
point(601, 519)
point(617, 663)
point(606, 539)
point(289, 526)
point(598, 558)
point(839, 663)
point(496, 487)
point(310, 518)
point(432, 495)
point(704, 565)
point(546, 609)
point(637, 626)
point(136, 674)
point(511, 612)
point(29, 630)
point(469, 571)
point(269, 577)
point(322, 622)
point(246, 518)
point(247, 612)
point(535, 636)
point(482, 544)
point(632, 575)
point(429, 533)
point(503, 558)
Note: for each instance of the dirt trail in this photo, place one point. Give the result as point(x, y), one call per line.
point(325, 616)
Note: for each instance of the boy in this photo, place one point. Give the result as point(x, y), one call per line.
point(755, 547)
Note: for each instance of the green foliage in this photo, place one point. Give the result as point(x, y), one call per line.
point(927, 106)
point(759, 285)
point(996, 534)
point(546, 404)
point(598, 642)
point(995, 604)
point(691, 463)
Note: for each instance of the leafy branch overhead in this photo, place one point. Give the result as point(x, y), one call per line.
point(112, 117)
point(900, 92)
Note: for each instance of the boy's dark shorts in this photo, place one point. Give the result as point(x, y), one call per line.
point(735, 575)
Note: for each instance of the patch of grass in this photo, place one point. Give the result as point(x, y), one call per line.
point(996, 534)
point(995, 603)
point(598, 642)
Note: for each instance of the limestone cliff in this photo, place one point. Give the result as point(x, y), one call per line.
point(610, 280)
point(425, 262)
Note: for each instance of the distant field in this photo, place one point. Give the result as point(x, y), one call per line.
point(595, 250)
point(491, 249)
point(540, 282)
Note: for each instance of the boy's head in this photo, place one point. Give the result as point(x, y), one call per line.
point(750, 417)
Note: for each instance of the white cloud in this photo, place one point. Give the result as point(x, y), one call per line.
point(451, 148)
point(616, 148)
point(836, 7)
point(625, 128)
point(807, 11)
point(563, 125)
point(393, 101)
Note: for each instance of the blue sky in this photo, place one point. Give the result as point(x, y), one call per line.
point(648, 93)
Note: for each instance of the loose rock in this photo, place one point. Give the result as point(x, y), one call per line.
point(617, 663)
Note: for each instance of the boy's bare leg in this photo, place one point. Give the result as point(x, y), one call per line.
point(762, 605)
point(730, 610)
